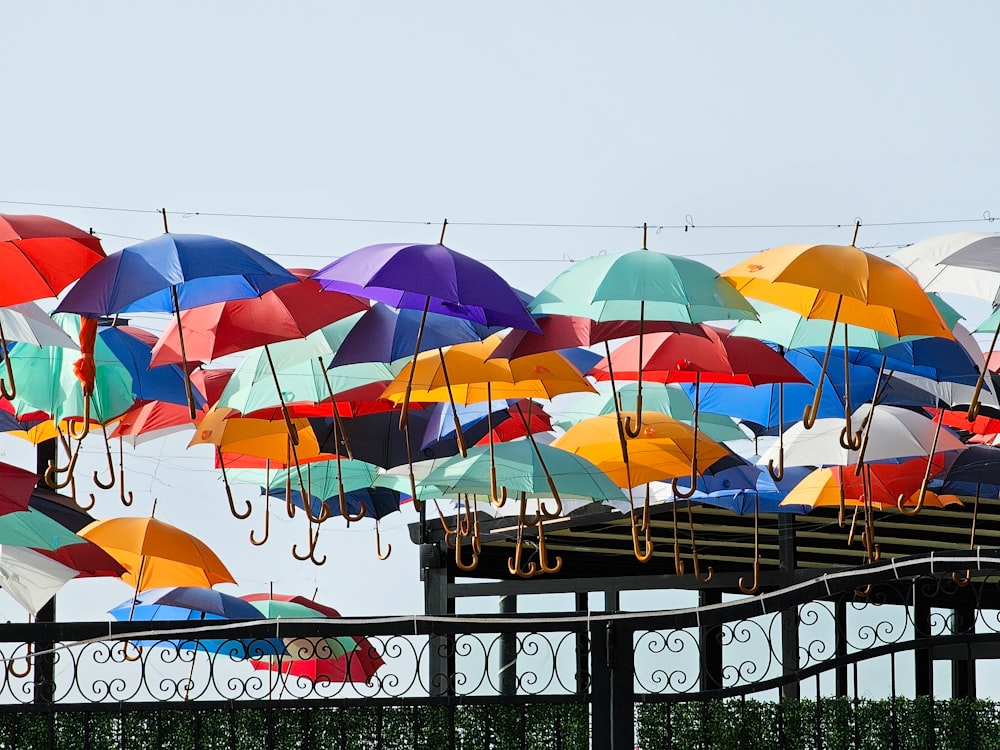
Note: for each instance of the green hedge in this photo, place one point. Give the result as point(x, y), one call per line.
point(356, 728)
point(833, 724)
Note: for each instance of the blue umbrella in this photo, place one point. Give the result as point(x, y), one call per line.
point(196, 603)
point(170, 273)
point(766, 494)
point(386, 335)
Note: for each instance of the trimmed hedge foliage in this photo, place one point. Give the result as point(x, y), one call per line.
point(831, 724)
point(541, 727)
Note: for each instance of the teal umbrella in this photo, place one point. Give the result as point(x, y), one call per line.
point(32, 528)
point(670, 399)
point(528, 469)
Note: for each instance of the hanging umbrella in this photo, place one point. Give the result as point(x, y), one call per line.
point(664, 449)
point(765, 497)
point(840, 284)
point(344, 659)
point(171, 273)
point(16, 486)
point(938, 265)
point(30, 577)
point(559, 332)
point(523, 469)
point(287, 312)
point(666, 398)
point(537, 421)
point(157, 554)
point(41, 256)
point(895, 434)
point(388, 336)
point(32, 528)
point(178, 603)
point(84, 556)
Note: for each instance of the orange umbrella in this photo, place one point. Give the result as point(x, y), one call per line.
point(156, 554)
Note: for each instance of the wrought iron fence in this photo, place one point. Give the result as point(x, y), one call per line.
point(571, 680)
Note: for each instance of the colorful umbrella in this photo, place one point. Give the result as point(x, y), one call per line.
point(840, 284)
point(30, 577)
point(156, 554)
point(343, 659)
point(171, 273)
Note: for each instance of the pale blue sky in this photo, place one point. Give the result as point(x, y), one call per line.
point(770, 113)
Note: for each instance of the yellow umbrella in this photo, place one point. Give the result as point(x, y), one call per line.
point(840, 284)
point(665, 448)
point(156, 554)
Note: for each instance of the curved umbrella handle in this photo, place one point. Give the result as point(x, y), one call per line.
point(779, 474)
point(111, 463)
point(678, 560)
point(343, 506)
point(685, 493)
point(229, 490)
point(497, 498)
point(450, 534)
point(131, 657)
point(848, 441)
point(91, 504)
point(755, 585)
point(927, 475)
point(85, 429)
point(311, 553)
point(27, 665)
point(633, 430)
point(514, 563)
point(461, 564)
point(53, 470)
point(694, 552)
point(378, 545)
point(267, 526)
point(543, 555)
point(642, 553)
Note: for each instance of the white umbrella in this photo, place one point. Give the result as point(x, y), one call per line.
point(959, 262)
point(896, 433)
point(30, 577)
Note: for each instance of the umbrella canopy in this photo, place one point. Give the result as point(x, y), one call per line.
point(957, 262)
point(348, 659)
point(519, 469)
point(663, 449)
point(253, 437)
point(286, 312)
point(895, 434)
point(47, 379)
point(197, 603)
point(642, 284)
point(840, 283)
point(976, 466)
point(42, 256)
point(666, 398)
point(27, 323)
point(322, 480)
point(463, 371)
point(30, 577)
point(200, 269)
point(386, 335)
point(714, 356)
point(764, 497)
point(567, 331)
point(32, 528)
point(431, 277)
point(826, 486)
point(16, 486)
point(156, 554)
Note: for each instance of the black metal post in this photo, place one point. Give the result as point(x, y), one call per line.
point(441, 648)
point(790, 616)
point(923, 665)
point(508, 649)
point(44, 678)
point(601, 662)
point(963, 671)
point(710, 644)
point(582, 648)
point(840, 643)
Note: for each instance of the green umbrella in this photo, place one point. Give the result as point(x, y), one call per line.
point(31, 528)
point(304, 648)
point(530, 470)
point(669, 399)
point(642, 284)
point(47, 382)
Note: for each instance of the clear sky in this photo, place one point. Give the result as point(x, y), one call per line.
point(756, 124)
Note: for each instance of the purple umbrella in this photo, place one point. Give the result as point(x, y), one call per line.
point(431, 278)
point(170, 273)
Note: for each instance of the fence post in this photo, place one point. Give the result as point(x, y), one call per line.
point(710, 643)
point(601, 657)
point(508, 649)
point(45, 677)
point(790, 615)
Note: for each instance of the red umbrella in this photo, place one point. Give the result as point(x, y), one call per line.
point(712, 357)
point(16, 486)
point(287, 312)
point(567, 331)
point(535, 419)
point(41, 256)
